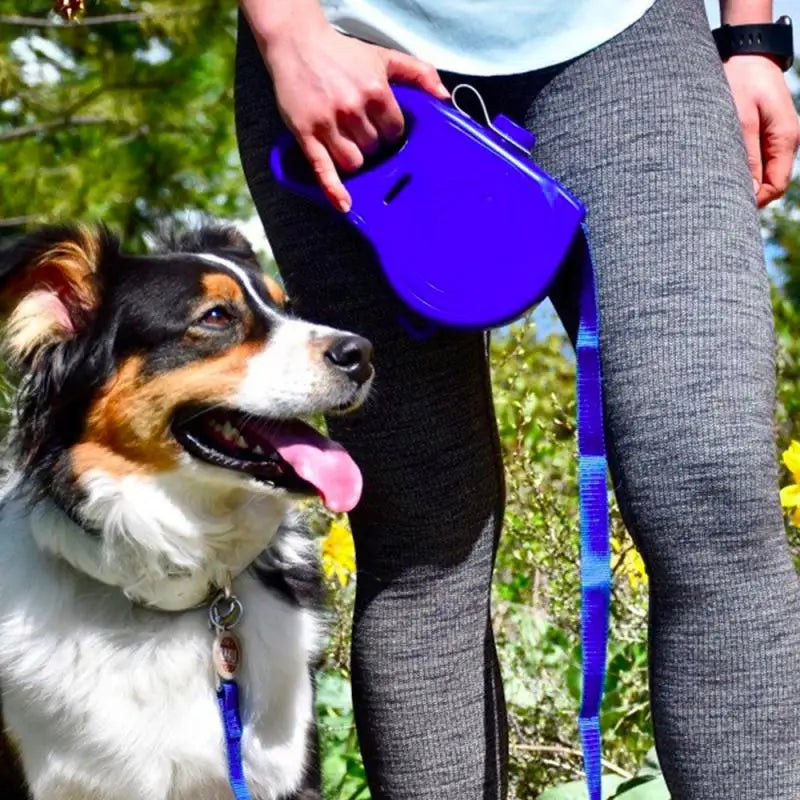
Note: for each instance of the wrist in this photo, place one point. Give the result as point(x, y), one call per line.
point(274, 23)
point(751, 59)
point(745, 12)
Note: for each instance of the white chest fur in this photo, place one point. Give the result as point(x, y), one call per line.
point(109, 701)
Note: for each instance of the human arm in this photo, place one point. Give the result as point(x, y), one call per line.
point(764, 103)
point(332, 90)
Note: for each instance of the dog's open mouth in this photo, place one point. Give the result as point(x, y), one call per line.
point(286, 454)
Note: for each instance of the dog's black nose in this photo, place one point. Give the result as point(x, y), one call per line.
point(352, 355)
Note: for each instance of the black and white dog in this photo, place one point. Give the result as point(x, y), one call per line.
point(157, 446)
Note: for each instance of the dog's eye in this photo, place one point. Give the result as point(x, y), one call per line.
point(216, 318)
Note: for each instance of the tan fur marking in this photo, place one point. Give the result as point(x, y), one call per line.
point(222, 287)
point(88, 456)
point(275, 291)
point(128, 426)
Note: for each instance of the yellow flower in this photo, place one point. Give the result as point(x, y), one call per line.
point(629, 562)
point(338, 553)
point(790, 496)
point(791, 458)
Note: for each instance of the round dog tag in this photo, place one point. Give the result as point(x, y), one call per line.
point(227, 655)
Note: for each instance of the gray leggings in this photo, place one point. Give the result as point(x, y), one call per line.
point(644, 131)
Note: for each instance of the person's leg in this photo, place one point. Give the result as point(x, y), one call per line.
point(428, 700)
point(644, 131)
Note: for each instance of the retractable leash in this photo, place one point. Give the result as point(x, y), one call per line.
point(516, 225)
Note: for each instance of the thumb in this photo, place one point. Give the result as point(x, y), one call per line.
point(407, 69)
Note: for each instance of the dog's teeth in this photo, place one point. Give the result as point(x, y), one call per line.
point(258, 451)
point(241, 442)
point(228, 431)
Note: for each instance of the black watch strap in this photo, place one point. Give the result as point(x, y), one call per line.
point(769, 39)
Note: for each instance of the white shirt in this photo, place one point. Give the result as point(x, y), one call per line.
point(486, 37)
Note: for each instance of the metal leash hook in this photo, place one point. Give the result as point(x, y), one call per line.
point(225, 610)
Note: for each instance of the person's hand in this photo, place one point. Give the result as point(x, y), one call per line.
point(769, 122)
point(333, 93)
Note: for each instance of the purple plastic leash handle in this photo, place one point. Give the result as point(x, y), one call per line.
point(468, 230)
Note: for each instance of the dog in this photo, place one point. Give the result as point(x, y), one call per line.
point(157, 452)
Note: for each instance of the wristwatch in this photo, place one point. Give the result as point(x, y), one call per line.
point(768, 39)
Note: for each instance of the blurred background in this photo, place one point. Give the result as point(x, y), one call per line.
point(127, 118)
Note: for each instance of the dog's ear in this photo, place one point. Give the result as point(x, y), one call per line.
point(224, 237)
point(49, 288)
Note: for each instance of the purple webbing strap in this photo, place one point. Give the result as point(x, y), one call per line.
point(595, 551)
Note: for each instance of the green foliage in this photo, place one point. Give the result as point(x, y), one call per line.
point(129, 122)
point(647, 784)
point(342, 769)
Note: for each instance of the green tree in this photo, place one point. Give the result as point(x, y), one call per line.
point(125, 117)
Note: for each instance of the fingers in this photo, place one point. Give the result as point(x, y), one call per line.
point(341, 140)
point(382, 107)
point(360, 129)
point(385, 113)
point(346, 152)
point(779, 145)
point(769, 123)
point(371, 115)
point(751, 130)
point(407, 69)
point(354, 110)
point(354, 128)
point(325, 172)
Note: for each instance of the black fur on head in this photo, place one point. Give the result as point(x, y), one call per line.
point(210, 238)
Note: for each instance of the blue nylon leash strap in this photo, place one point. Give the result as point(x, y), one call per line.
point(228, 699)
point(594, 535)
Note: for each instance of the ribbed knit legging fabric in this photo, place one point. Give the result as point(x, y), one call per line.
point(644, 131)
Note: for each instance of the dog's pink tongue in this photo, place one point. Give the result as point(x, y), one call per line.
point(322, 462)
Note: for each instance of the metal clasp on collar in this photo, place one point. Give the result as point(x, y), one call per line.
point(224, 611)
